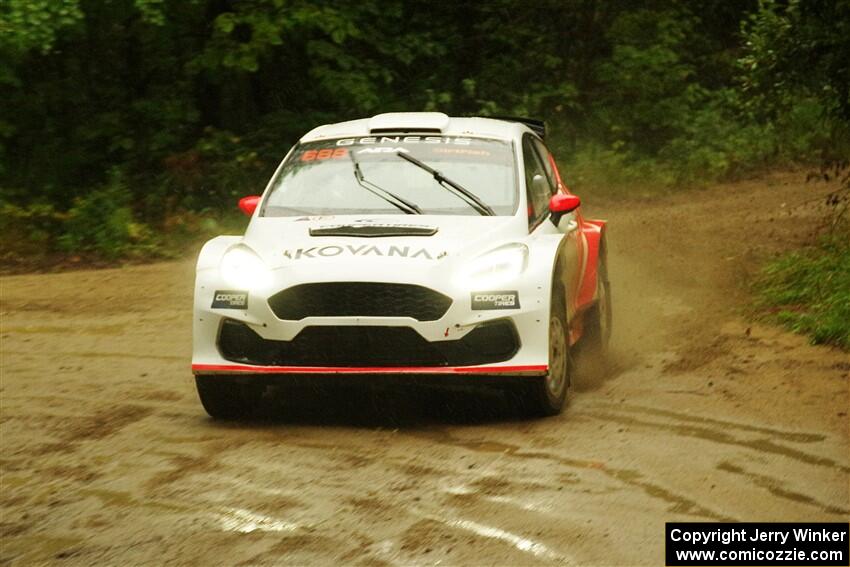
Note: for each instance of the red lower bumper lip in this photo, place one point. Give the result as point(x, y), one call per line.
point(250, 369)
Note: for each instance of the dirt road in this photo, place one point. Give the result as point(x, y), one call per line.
point(108, 458)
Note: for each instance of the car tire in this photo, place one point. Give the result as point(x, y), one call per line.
point(598, 322)
point(224, 398)
point(546, 395)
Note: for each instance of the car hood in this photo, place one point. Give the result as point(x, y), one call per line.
point(404, 241)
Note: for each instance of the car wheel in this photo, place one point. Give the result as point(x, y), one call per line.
point(224, 398)
point(546, 395)
point(597, 329)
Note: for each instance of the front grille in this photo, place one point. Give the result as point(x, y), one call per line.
point(359, 346)
point(359, 299)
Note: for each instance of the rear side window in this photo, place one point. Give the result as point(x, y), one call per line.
point(538, 193)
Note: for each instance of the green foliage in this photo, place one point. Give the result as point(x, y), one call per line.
point(796, 65)
point(102, 223)
point(595, 169)
point(152, 11)
point(35, 24)
point(809, 291)
point(716, 141)
point(798, 45)
point(220, 168)
point(29, 230)
point(647, 83)
point(197, 101)
point(100, 229)
point(160, 88)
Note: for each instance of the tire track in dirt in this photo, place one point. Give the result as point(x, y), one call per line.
point(678, 503)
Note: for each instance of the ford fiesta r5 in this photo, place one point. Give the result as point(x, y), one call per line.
point(407, 244)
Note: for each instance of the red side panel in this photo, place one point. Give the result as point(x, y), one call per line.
point(593, 230)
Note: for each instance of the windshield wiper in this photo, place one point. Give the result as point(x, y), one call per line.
point(391, 198)
point(462, 192)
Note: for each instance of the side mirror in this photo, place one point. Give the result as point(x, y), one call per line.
point(561, 204)
point(249, 204)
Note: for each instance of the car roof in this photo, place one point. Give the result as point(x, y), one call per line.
point(434, 123)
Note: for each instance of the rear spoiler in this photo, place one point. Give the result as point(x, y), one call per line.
point(537, 126)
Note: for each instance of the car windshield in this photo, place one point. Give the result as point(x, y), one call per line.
point(320, 178)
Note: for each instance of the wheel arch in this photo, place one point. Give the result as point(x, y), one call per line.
point(212, 251)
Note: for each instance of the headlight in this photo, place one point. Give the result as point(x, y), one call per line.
point(242, 269)
point(494, 268)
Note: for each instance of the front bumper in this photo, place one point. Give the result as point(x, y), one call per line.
point(254, 340)
point(368, 346)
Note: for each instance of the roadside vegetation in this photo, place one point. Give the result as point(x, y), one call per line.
point(101, 228)
point(809, 291)
point(805, 47)
point(129, 128)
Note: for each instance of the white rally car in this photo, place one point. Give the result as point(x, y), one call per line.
point(406, 244)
